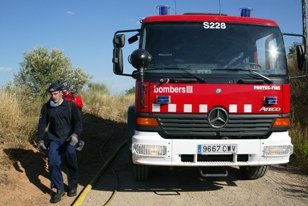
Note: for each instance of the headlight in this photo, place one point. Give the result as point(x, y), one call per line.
point(278, 150)
point(150, 150)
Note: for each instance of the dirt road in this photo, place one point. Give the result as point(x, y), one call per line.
point(25, 182)
point(281, 186)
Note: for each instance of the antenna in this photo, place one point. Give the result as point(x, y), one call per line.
point(219, 7)
point(304, 16)
point(175, 6)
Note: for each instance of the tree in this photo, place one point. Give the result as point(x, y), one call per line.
point(131, 91)
point(41, 67)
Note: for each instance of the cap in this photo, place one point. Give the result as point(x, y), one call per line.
point(54, 87)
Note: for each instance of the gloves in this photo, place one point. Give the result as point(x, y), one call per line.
point(41, 145)
point(73, 139)
point(80, 145)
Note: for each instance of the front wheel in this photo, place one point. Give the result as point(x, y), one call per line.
point(141, 172)
point(253, 172)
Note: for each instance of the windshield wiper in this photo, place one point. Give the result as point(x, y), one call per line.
point(177, 80)
point(252, 71)
point(184, 70)
point(193, 75)
point(266, 79)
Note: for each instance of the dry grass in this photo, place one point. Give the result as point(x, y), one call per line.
point(9, 113)
point(19, 112)
point(107, 106)
point(17, 120)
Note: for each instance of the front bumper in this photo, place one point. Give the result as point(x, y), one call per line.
point(149, 148)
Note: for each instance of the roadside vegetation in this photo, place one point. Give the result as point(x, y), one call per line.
point(22, 100)
point(18, 115)
point(20, 111)
point(299, 113)
point(299, 126)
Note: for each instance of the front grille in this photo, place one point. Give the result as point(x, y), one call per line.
point(197, 126)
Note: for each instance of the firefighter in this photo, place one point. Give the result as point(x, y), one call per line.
point(63, 120)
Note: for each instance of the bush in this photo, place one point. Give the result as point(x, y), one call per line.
point(299, 136)
point(97, 88)
point(107, 106)
point(131, 91)
point(18, 115)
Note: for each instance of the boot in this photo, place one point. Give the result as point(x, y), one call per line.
point(72, 192)
point(56, 197)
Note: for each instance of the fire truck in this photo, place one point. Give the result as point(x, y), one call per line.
point(212, 92)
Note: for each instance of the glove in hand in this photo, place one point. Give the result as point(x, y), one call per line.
point(73, 139)
point(41, 145)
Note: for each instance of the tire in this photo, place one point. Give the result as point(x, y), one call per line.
point(141, 172)
point(131, 117)
point(253, 172)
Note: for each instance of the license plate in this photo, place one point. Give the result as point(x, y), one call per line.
point(217, 149)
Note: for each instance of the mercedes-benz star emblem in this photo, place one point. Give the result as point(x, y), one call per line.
point(218, 117)
point(218, 91)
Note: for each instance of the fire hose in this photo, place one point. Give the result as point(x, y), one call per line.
point(88, 188)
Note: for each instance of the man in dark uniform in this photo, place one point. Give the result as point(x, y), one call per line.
point(63, 119)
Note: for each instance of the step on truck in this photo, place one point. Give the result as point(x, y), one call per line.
point(212, 91)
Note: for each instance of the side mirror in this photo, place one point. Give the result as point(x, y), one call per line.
point(117, 59)
point(119, 40)
point(300, 57)
point(140, 58)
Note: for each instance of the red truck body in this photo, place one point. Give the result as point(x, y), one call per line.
point(211, 90)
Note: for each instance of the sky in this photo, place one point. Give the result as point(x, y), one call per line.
point(83, 29)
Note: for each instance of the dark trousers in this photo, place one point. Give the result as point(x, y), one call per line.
point(56, 149)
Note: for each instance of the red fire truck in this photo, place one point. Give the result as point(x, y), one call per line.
point(212, 91)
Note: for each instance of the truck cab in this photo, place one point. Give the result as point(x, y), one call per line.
point(212, 91)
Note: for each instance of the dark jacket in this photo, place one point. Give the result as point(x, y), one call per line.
point(63, 121)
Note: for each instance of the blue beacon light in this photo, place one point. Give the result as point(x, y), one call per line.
point(163, 99)
point(270, 100)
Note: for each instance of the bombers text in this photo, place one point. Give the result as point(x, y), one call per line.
point(172, 89)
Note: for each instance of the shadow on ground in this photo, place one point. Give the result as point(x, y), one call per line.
point(96, 134)
point(162, 180)
point(30, 162)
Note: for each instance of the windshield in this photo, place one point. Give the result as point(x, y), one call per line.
point(229, 48)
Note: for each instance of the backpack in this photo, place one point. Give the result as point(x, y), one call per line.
point(70, 96)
